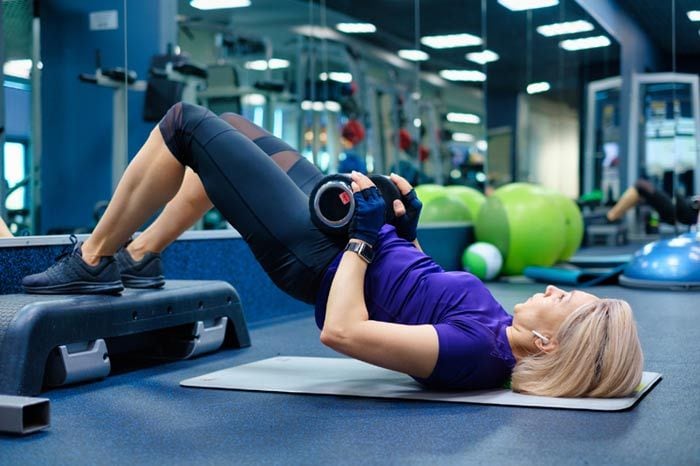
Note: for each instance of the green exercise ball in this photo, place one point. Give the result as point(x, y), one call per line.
point(521, 221)
point(428, 192)
point(443, 209)
point(573, 224)
point(483, 260)
point(473, 198)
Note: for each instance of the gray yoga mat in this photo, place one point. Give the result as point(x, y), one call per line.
point(349, 377)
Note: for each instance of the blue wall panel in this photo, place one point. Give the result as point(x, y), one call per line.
point(77, 117)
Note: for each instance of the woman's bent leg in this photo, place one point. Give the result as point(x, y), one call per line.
point(255, 196)
point(303, 173)
point(191, 202)
point(150, 180)
point(657, 199)
point(184, 210)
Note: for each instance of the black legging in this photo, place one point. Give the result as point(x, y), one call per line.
point(266, 205)
point(682, 211)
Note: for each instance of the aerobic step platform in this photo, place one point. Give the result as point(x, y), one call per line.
point(49, 341)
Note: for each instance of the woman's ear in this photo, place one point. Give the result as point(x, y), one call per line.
point(547, 344)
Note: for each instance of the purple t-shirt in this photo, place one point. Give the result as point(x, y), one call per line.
point(403, 285)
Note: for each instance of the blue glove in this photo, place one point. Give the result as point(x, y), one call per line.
point(368, 218)
point(407, 224)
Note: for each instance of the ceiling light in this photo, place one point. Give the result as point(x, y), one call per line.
point(694, 15)
point(536, 88)
point(456, 117)
point(277, 63)
point(520, 5)
point(318, 106)
point(332, 106)
point(218, 4)
point(336, 76)
point(356, 28)
point(262, 65)
point(481, 145)
point(449, 41)
point(584, 43)
point(18, 68)
point(306, 105)
point(463, 75)
point(483, 57)
point(254, 100)
point(462, 137)
point(559, 29)
point(413, 55)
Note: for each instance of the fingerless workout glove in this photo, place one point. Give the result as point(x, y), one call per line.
point(407, 224)
point(368, 218)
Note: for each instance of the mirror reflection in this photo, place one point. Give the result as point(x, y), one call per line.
point(345, 86)
point(536, 92)
point(64, 119)
point(496, 92)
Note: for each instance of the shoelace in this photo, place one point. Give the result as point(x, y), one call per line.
point(68, 250)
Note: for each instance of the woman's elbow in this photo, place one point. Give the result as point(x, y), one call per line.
point(334, 337)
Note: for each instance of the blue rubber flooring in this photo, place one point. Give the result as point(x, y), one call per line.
point(144, 417)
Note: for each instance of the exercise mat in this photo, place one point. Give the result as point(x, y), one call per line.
point(349, 377)
point(574, 276)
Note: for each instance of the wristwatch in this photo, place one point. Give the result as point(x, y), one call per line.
point(362, 249)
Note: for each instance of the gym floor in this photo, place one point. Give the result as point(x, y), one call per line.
point(142, 416)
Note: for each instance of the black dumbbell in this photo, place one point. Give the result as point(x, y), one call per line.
point(332, 204)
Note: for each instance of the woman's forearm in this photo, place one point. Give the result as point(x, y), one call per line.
point(346, 300)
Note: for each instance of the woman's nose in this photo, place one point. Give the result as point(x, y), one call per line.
point(551, 289)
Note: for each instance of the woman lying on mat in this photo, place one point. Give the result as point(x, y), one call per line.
point(378, 298)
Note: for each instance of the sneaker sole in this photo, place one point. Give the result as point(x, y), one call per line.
point(131, 281)
point(78, 288)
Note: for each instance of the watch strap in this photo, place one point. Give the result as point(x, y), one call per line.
point(362, 249)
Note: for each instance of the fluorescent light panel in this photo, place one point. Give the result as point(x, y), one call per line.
point(319, 106)
point(694, 15)
point(536, 88)
point(483, 57)
point(356, 28)
point(413, 55)
point(449, 41)
point(18, 68)
point(337, 76)
point(262, 65)
point(218, 4)
point(456, 117)
point(332, 106)
point(584, 43)
point(462, 137)
point(254, 100)
point(520, 5)
point(570, 27)
point(463, 75)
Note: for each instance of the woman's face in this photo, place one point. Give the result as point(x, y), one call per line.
point(545, 312)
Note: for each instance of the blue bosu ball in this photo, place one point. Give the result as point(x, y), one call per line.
point(669, 264)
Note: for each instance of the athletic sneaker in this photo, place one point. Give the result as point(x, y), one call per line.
point(146, 273)
point(71, 275)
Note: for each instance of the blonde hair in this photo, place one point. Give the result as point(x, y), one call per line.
point(598, 355)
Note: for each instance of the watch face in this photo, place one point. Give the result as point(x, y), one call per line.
point(366, 252)
point(362, 249)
